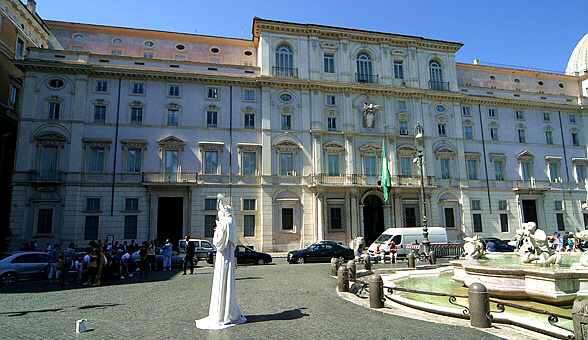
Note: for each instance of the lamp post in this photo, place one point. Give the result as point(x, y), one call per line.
point(418, 136)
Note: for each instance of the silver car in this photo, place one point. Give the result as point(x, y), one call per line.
point(15, 266)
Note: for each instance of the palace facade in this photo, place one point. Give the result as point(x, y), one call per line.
point(130, 134)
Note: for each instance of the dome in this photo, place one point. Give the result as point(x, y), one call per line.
point(579, 60)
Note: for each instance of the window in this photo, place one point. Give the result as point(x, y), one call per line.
point(211, 118)
point(502, 205)
point(286, 164)
point(101, 86)
point(494, 133)
point(575, 139)
point(249, 121)
point(91, 227)
point(436, 75)
point(249, 204)
point(116, 51)
point(54, 110)
point(492, 113)
point(403, 127)
point(45, 221)
point(526, 171)
point(55, 84)
point(335, 216)
point(405, 167)
point(476, 205)
point(332, 123)
point(249, 166)
point(248, 225)
point(214, 50)
point(137, 115)
point(173, 117)
point(249, 95)
point(92, 204)
point(14, 97)
point(117, 41)
point(96, 160)
point(212, 92)
point(560, 222)
point(401, 104)
point(20, 47)
point(504, 223)
point(445, 169)
point(209, 225)
point(99, 114)
point(466, 111)
point(441, 130)
point(172, 162)
point(329, 63)
point(138, 88)
point(546, 117)
point(286, 122)
point(472, 169)
point(134, 161)
point(398, 69)
point(468, 132)
point(149, 43)
point(364, 68)
point(519, 114)
point(77, 47)
point(477, 223)
point(440, 108)
point(286, 98)
point(549, 137)
point(522, 136)
point(333, 165)
point(131, 204)
point(284, 61)
point(287, 219)
point(211, 162)
point(210, 203)
point(572, 118)
point(558, 205)
point(247, 63)
point(449, 218)
point(130, 227)
point(173, 90)
point(331, 100)
point(179, 57)
point(554, 172)
point(580, 173)
point(370, 166)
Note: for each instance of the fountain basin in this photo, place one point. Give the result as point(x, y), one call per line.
point(553, 286)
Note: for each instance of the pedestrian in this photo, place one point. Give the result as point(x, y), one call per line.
point(54, 262)
point(151, 256)
point(189, 248)
point(166, 251)
point(78, 267)
point(143, 264)
point(93, 265)
point(48, 248)
point(67, 258)
point(127, 263)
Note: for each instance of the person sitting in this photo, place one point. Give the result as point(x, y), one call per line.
point(127, 262)
point(393, 252)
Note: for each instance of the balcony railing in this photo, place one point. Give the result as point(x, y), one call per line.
point(45, 176)
point(439, 85)
point(368, 180)
point(285, 72)
point(366, 78)
point(532, 184)
point(170, 177)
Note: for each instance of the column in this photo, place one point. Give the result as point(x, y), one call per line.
point(353, 222)
point(320, 200)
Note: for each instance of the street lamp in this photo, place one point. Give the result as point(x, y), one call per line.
point(419, 135)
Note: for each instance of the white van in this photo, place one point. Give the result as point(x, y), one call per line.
point(403, 236)
point(201, 248)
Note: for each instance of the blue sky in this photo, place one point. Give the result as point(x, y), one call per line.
point(538, 34)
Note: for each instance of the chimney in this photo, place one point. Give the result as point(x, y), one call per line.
point(32, 6)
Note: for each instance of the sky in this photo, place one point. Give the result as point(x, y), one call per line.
point(538, 34)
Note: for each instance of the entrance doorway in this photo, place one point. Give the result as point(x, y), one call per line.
point(170, 219)
point(530, 211)
point(373, 218)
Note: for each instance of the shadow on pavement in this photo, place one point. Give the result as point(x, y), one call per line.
point(23, 313)
point(292, 314)
point(248, 278)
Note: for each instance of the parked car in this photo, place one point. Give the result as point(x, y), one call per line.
point(499, 245)
point(244, 255)
point(201, 247)
point(16, 266)
point(321, 252)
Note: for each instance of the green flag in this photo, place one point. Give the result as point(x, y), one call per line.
point(386, 183)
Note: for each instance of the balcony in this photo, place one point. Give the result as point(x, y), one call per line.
point(366, 78)
point(169, 178)
point(439, 85)
point(285, 72)
point(45, 176)
point(531, 185)
point(368, 180)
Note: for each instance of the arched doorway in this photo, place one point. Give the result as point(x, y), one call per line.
point(373, 218)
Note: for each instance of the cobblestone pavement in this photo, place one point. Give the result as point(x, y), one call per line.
point(280, 301)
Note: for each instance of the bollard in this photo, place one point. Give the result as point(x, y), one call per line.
point(433, 257)
point(479, 306)
point(334, 266)
point(376, 291)
point(367, 263)
point(410, 258)
point(352, 270)
point(343, 279)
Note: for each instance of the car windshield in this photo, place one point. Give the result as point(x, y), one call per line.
point(383, 238)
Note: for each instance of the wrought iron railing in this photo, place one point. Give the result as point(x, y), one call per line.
point(366, 78)
point(368, 180)
point(169, 177)
point(45, 176)
point(439, 85)
point(285, 72)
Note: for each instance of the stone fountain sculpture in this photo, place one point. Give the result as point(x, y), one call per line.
point(473, 248)
point(535, 246)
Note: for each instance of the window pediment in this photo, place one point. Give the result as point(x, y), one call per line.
point(441, 118)
point(445, 151)
point(370, 149)
point(328, 45)
point(398, 53)
point(333, 147)
point(526, 155)
point(214, 146)
point(285, 109)
point(472, 155)
point(548, 128)
point(134, 143)
point(579, 161)
point(553, 159)
point(244, 147)
point(406, 149)
point(249, 110)
point(497, 156)
point(171, 142)
point(402, 116)
point(332, 112)
point(212, 108)
point(96, 143)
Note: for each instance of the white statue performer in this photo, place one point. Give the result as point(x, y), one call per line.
point(224, 311)
point(535, 247)
point(473, 249)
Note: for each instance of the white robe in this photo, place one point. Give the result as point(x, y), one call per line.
point(224, 310)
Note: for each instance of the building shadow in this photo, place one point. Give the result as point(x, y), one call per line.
point(291, 314)
point(25, 312)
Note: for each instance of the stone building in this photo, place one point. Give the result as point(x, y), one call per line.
point(131, 133)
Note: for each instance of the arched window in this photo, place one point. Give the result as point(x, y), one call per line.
point(364, 68)
point(436, 76)
point(284, 61)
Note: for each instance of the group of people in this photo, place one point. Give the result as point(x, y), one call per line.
point(566, 242)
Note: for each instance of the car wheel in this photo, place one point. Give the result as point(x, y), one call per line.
point(260, 261)
point(300, 260)
point(9, 278)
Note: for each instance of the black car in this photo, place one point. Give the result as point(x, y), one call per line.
point(499, 245)
point(244, 255)
point(322, 251)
